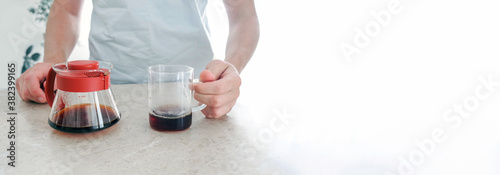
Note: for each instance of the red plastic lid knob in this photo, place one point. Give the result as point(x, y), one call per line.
point(83, 65)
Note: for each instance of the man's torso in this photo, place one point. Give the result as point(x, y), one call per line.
point(133, 34)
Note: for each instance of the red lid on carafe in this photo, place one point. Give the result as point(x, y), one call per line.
point(83, 76)
point(77, 76)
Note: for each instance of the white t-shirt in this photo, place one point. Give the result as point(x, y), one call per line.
point(134, 34)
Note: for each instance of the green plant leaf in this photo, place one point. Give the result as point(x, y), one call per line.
point(28, 51)
point(35, 56)
point(26, 66)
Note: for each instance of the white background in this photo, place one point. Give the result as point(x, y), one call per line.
point(360, 117)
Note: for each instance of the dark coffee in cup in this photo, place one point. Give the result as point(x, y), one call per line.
point(165, 119)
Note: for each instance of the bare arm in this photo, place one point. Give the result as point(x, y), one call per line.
point(62, 30)
point(221, 80)
point(243, 32)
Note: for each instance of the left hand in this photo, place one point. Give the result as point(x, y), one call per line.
point(219, 89)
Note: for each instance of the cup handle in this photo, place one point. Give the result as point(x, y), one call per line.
point(196, 106)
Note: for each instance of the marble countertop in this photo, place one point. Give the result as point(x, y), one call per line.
point(209, 146)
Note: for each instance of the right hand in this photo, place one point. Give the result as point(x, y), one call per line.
point(29, 84)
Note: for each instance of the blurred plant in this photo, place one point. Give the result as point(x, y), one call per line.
point(42, 11)
point(29, 61)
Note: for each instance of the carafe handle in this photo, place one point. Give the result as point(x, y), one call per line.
point(49, 90)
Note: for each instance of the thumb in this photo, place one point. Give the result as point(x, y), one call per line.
point(213, 71)
point(207, 76)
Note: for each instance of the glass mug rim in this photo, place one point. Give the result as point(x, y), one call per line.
point(169, 69)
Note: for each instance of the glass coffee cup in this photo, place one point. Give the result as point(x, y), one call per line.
point(170, 97)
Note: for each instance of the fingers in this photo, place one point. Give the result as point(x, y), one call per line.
point(225, 75)
point(30, 89)
point(29, 83)
point(217, 100)
point(217, 67)
point(35, 92)
point(22, 91)
point(207, 76)
point(216, 112)
point(219, 95)
point(218, 104)
point(221, 86)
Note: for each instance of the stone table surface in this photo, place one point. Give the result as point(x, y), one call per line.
point(228, 145)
